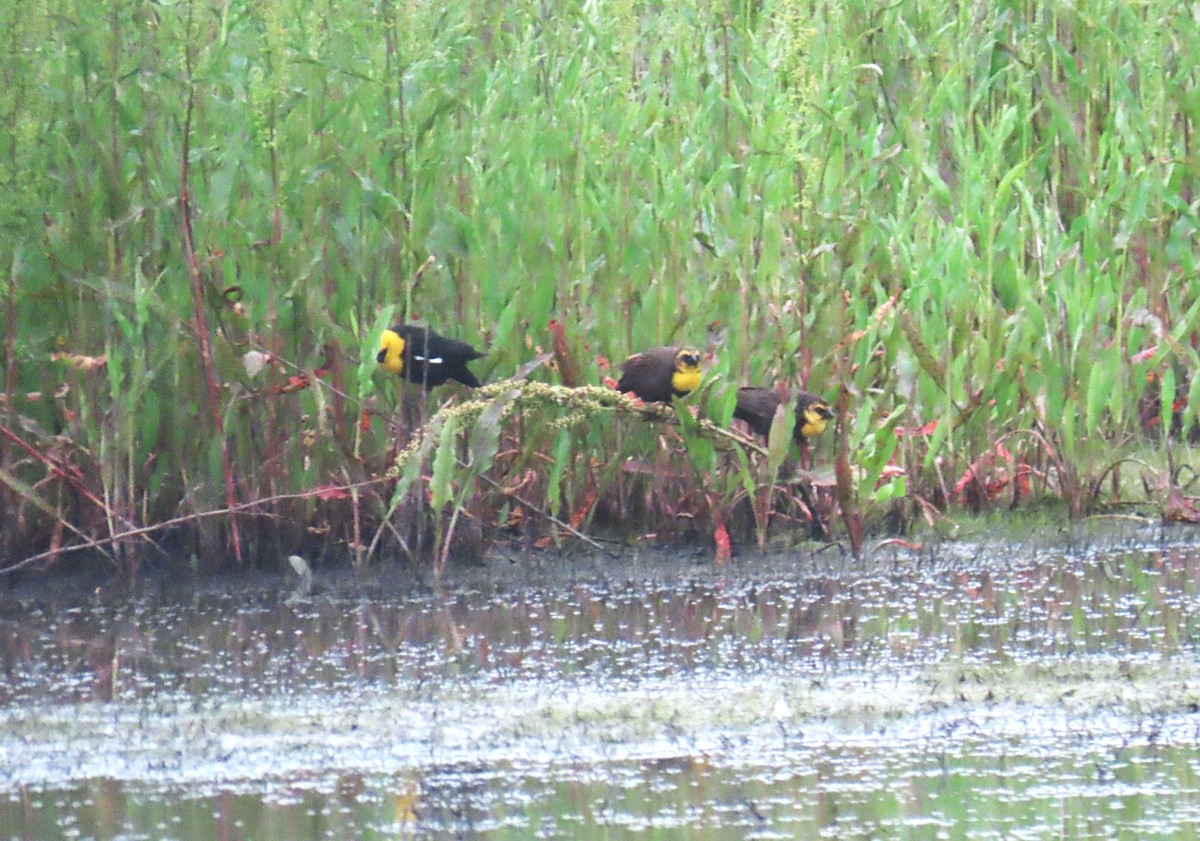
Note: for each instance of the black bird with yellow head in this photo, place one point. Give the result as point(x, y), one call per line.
point(656, 374)
point(756, 406)
point(424, 358)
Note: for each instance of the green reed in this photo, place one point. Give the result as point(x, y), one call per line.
point(980, 216)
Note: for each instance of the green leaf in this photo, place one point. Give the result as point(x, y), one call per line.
point(892, 489)
point(370, 349)
point(1193, 402)
point(412, 468)
point(442, 481)
point(562, 460)
point(779, 437)
point(699, 448)
point(1099, 392)
point(721, 404)
point(744, 474)
point(148, 424)
point(485, 437)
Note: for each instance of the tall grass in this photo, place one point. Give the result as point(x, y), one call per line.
point(976, 223)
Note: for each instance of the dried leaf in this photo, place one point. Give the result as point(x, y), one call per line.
point(562, 355)
point(581, 512)
point(1180, 509)
point(721, 538)
point(79, 361)
point(294, 383)
point(920, 431)
point(1142, 356)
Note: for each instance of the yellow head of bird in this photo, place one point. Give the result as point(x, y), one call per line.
point(391, 352)
point(687, 371)
point(817, 415)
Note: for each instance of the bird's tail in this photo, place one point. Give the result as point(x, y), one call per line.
point(463, 375)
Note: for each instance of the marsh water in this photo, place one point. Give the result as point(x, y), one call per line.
point(984, 691)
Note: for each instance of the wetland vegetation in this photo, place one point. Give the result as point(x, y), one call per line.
point(970, 228)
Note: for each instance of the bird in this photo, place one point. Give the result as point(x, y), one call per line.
point(656, 374)
point(757, 405)
point(424, 357)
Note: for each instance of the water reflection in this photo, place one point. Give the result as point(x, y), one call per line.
point(907, 699)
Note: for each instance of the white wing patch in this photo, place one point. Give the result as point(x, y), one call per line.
point(437, 360)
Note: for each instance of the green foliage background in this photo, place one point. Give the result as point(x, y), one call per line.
point(981, 214)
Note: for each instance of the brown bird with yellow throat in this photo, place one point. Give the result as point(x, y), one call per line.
point(656, 374)
point(757, 405)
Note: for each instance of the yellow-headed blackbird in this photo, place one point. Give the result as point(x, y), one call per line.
point(655, 374)
point(425, 358)
point(756, 406)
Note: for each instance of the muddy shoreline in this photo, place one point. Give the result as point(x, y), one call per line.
point(996, 537)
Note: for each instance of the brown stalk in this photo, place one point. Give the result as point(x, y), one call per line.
point(61, 524)
point(60, 471)
point(851, 515)
point(241, 508)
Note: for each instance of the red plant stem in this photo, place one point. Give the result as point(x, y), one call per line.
point(55, 468)
point(200, 324)
point(10, 364)
point(274, 455)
